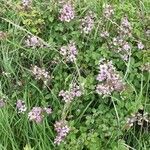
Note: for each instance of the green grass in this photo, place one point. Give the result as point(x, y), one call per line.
point(96, 123)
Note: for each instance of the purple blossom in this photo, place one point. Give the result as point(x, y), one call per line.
point(40, 74)
point(125, 27)
point(140, 45)
point(36, 114)
point(48, 110)
point(146, 67)
point(87, 23)
point(104, 34)
point(122, 47)
point(69, 95)
point(67, 12)
point(33, 41)
point(26, 3)
point(109, 79)
point(62, 130)
point(21, 107)
point(108, 11)
point(69, 51)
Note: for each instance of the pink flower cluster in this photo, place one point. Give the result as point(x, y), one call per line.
point(109, 79)
point(67, 12)
point(26, 3)
point(69, 51)
point(40, 74)
point(122, 47)
point(138, 118)
point(104, 34)
point(125, 27)
point(33, 41)
point(37, 113)
point(69, 95)
point(62, 130)
point(108, 11)
point(140, 45)
point(146, 67)
point(21, 107)
point(87, 23)
point(120, 43)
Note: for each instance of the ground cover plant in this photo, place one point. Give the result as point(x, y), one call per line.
point(74, 75)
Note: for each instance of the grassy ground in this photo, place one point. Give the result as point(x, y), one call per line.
point(96, 122)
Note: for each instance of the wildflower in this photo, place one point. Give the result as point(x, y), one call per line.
point(104, 34)
point(122, 47)
point(87, 23)
point(69, 95)
point(33, 41)
point(48, 110)
point(125, 27)
point(108, 11)
point(138, 118)
point(62, 130)
point(2, 103)
point(40, 74)
point(36, 114)
point(140, 45)
point(69, 51)
point(109, 79)
point(146, 67)
point(26, 3)
point(67, 12)
point(21, 107)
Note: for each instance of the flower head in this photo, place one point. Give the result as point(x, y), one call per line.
point(69, 51)
point(140, 45)
point(69, 95)
point(109, 79)
point(36, 114)
point(21, 107)
point(40, 74)
point(87, 23)
point(33, 41)
point(62, 130)
point(108, 11)
point(67, 12)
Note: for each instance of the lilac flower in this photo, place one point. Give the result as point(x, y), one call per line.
point(26, 3)
point(67, 12)
point(33, 41)
point(108, 11)
point(122, 47)
point(69, 95)
point(109, 79)
point(104, 34)
point(146, 67)
point(87, 23)
point(36, 114)
point(69, 51)
point(40, 74)
point(2, 103)
point(21, 107)
point(138, 118)
point(62, 130)
point(48, 110)
point(140, 45)
point(125, 27)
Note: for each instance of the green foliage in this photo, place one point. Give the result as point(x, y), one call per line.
point(96, 122)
